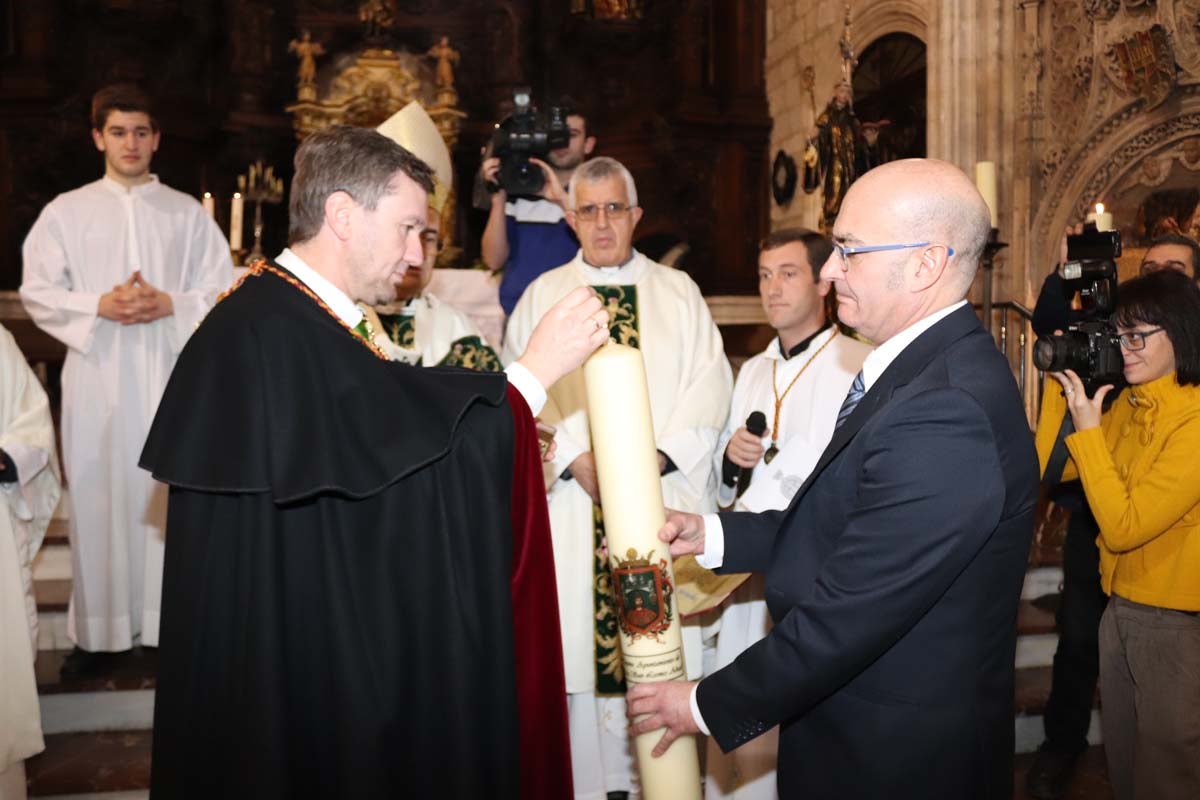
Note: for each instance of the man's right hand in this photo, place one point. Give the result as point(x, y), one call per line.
point(490, 171)
point(684, 532)
point(583, 470)
point(744, 448)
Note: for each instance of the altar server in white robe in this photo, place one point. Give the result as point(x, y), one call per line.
point(418, 327)
point(798, 383)
point(659, 310)
point(29, 491)
point(121, 271)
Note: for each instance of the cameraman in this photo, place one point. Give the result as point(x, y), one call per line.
point(1076, 660)
point(1053, 309)
point(528, 237)
point(1142, 481)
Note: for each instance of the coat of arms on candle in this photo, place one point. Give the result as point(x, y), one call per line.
point(643, 594)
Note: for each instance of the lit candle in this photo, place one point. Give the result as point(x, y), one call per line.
point(210, 205)
point(985, 182)
point(235, 222)
point(642, 576)
point(1102, 218)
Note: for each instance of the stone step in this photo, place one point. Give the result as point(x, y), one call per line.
point(113, 765)
point(1032, 692)
point(53, 562)
point(1090, 783)
point(56, 532)
point(116, 694)
point(53, 597)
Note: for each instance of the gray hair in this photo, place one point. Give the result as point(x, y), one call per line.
point(596, 170)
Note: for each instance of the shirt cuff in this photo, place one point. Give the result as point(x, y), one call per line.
point(530, 388)
point(699, 720)
point(714, 543)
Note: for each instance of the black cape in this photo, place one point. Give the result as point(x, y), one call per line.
point(336, 609)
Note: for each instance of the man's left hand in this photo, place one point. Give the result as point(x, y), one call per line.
point(667, 704)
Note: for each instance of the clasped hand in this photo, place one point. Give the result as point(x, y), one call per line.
point(135, 302)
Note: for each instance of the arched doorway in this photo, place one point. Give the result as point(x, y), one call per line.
point(890, 85)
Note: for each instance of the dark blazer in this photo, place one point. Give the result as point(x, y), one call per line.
point(893, 580)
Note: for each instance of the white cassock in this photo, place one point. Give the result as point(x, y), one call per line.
point(689, 383)
point(429, 332)
point(823, 372)
point(84, 243)
point(26, 506)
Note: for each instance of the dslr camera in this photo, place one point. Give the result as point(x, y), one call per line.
point(523, 134)
point(1088, 347)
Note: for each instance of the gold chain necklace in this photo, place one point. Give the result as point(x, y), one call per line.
point(260, 266)
point(772, 451)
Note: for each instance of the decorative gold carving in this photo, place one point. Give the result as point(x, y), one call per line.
point(377, 84)
point(306, 74)
point(446, 57)
point(377, 17)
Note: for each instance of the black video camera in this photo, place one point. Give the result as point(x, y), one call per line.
point(1089, 347)
point(523, 134)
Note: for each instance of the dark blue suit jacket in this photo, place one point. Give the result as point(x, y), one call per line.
point(893, 580)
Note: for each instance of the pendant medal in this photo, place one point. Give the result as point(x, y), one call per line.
point(770, 454)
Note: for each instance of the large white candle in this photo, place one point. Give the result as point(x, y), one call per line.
point(1102, 218)
point(210, 205)
point(985, 182)
point(643, 581)
point(235, 222)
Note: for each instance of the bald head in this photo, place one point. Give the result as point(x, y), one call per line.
point(925, 200)
point(915, 230)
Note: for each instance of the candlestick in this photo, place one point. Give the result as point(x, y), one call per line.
point(1102, 218)
point(235, 222)
point(985, 182)
point(210, 204)
point(642, 578)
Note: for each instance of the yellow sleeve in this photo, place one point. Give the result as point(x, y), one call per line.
point(1131, 516)
point(1054, 408)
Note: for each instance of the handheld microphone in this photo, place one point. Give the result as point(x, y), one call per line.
point(756, 423)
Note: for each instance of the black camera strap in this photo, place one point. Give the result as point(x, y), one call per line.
point(1058, 454)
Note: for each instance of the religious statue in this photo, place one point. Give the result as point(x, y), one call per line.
point(377, 16)
point(833, 151)
point(307, 51)
point(446, 57)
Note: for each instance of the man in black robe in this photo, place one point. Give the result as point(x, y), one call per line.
point(352, 543)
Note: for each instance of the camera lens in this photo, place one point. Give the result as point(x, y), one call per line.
point(1065, 351)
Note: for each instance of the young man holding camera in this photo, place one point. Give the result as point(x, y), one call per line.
point(526, 237)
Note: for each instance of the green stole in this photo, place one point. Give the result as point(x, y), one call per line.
point(469, 352)
point(621, 303)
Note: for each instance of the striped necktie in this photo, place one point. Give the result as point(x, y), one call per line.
point(853, 397)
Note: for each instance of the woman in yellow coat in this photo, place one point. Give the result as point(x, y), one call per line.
point(1139, 463)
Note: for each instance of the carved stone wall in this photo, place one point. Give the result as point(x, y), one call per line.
point(1126, 109)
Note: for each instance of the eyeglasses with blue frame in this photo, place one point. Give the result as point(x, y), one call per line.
point(845, 252)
